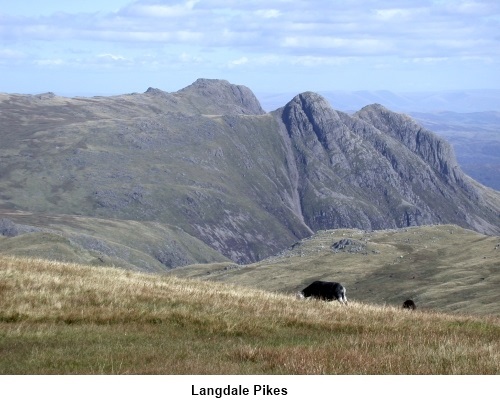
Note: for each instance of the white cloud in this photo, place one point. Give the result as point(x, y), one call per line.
point(239, 62)
point(269, 13)
point(353, 28)
point(189, 58)
point(109, 56)
point(428, 60)
point(352, 46)
point(261, 34)
point(393, 13)
point(49, 62)
point(480, 59)
point(139, 9)
point(472, 7)
point(7, 54)
point(313, 61)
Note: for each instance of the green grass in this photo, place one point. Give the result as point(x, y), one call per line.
point(71, 319)
point(135, 245)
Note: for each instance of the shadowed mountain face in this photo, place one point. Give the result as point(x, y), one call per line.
point(209, 161)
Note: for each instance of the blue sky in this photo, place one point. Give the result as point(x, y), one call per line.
point(272, 46)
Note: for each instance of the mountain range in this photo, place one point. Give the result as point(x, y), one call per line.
point(475, 139)
point(457, 101)
point(158, 180)
point(468, 119)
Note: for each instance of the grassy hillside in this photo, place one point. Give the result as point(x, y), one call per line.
point(151, 157)
point(444, 268)
point(67, 318)
point(135, 245)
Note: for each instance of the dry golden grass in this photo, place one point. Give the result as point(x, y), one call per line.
point(441, 267)
point(60, 318)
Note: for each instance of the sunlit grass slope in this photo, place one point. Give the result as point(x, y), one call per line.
point(66, 318)
point(442, 267)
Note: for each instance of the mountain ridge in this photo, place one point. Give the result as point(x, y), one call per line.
point(334, 138)
point(208, 160)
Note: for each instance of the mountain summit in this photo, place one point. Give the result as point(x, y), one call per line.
point(209, 97)
point(224, 97)
point(378, 169)
point(209, 161)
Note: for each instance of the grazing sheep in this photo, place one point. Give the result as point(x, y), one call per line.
point(409, 304)
point(325, 290)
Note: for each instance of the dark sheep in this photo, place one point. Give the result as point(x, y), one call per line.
point(325, 290)
point(409, 304)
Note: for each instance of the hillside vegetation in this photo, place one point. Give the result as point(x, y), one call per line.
point(135, 245)
point(72, 319)
point(443, 267)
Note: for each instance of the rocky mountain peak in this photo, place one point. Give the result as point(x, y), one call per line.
point(224, 97)
point(310, 109)
point(311, 103)
point(155, 91)
point(428, 146)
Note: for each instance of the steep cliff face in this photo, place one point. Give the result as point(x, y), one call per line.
point(376, 169)
point(434, 150)
point(213, 96)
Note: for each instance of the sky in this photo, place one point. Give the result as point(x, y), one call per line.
point(108, 47)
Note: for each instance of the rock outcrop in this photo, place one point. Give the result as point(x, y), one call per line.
point(221, 97)
point(376, 169)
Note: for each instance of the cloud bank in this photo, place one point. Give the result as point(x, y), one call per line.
point(252, 34)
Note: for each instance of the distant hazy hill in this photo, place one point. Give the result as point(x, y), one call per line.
point(475, 138)
point(465, 101)
point(208, 164)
